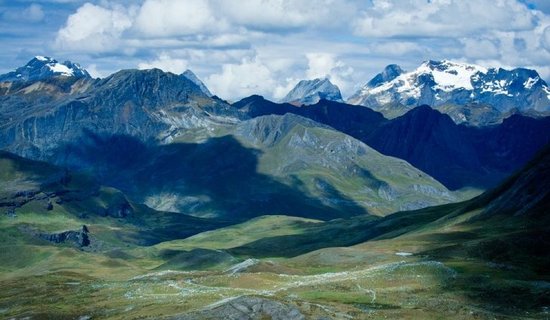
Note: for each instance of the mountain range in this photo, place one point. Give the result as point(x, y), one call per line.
point(457, 155)
point(447, 85)
point(162, 140)
point(143, 195)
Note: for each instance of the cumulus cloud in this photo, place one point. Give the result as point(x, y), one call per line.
point(165, 18)
point(287, 14)
point(396, 48)
point(480, 48)
point(327, 65)
point(94, 28)
point(94, 71)
point(441, 18)
point(250, 76)
point(166, 63)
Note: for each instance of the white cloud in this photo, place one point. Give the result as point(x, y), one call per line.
point(250, 76)
point(94, 71)
point(164, 18)
point(546, 38)
point(480, 48)
point(286, 14)
point(442, 18)
point(327, 65)
point(166, 63)
point(94, 28)
point(396, 48)
point(267, 46)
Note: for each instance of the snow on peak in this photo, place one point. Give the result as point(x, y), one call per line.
point(42, 58)
point(528, 84)
point(437, 83)
point(61, 69)
point(449, 75)
point(65, 69)
point(446, 76)
point(42, 67)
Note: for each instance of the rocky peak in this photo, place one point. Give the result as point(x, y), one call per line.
point(443, 83)
point(41, 68)
point(390, 72)
point(311, 91)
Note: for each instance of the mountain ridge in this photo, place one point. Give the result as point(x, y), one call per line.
point(440, 83)
point(467, 156)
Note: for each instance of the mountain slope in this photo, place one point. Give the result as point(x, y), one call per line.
point(149, 104)
point(329, 163)
point(268, 165)
point(39, 197)
point(457, 261)
point(445, 84)
point(456, 155)
point(516, 209)
point(311, 91)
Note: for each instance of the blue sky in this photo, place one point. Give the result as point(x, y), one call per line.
point(267, 46)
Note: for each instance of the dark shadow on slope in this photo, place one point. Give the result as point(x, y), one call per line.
point(218, 176)
point(40, 173)
point(521, 203)
point(341, 233)
point(355, 121)
point(83, 197)
point(456, 155)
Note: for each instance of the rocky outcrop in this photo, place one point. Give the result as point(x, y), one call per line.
point(78, 238)
point(246, 308)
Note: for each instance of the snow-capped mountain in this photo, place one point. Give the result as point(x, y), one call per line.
point(40, 68)
point(311, 91)
point(443, 83)
point(191, 76)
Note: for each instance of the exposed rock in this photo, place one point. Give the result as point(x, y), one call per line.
point(246, 308)
point(242, 266)
point(79, 238)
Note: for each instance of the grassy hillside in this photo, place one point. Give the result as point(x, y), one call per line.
point(484, 258)
point(265, 166)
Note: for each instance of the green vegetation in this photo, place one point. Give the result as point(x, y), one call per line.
point(459, 261)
